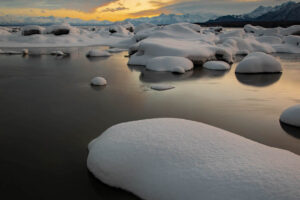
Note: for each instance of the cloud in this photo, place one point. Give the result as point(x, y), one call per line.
point(114, 9)
point(82, 5)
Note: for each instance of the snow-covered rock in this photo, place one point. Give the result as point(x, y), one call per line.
point(63, 29)
point(162, 87)
point(216, 65)
point(98, 53)
point(259, 62)
point(291, 116)
point(119, 30)
point(32, 30)
point(170, 64)
point(98, 81)
point(177, 159)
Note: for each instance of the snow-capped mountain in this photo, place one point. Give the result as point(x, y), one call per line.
point(289, 11)
point(259, 11)
point(172, 18)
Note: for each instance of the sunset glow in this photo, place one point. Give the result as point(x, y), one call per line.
point(115, 10)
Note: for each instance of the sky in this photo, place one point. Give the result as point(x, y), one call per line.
point(116, 10)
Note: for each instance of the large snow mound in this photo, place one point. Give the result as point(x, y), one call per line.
point(216, 65)
point(259, 62)
point(177, 159)
point(170, 64)
point(291, 116)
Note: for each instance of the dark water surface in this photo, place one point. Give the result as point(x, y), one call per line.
point(49, 113)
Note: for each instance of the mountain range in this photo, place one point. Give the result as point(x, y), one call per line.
point(287, 12)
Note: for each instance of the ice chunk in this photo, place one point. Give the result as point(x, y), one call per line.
point(216, 65)
point(164, 159)
point(291, 116)
point(98, 81)
point(170, 64)
point(259, 62)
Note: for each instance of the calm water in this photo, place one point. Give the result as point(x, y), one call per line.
point(49, 113)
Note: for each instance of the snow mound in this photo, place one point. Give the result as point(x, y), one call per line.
point(98, 81)
point(170, 64)
point(291, 116)
point(143, 26)
point(162, 87)
point(216, 65)
point(292, 40)
point(98, 53)
point(259, 62)
point(177, 159)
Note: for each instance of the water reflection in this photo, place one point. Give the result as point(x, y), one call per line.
point(258, 80)
point(103, 190)
point(291, 130)
point(148, 76)
point(97, 59)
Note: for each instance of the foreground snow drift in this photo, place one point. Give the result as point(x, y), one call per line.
point(291, 116)
point(177, 159)
point(259, 63)
point(170, 64)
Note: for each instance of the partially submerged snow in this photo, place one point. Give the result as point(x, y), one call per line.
point(162, 87)
point(216, 65)
point(259, 62)
point(57, 53)
point(98, 81)
point(170, 64)
point(98, 53)
point(291, 116)
point(176, 159)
